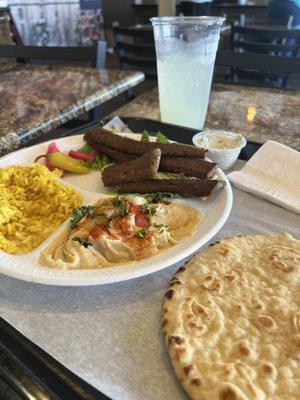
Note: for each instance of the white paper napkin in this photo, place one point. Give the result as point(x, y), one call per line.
point(273, 173)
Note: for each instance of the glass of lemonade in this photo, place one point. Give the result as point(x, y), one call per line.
point(185, 52)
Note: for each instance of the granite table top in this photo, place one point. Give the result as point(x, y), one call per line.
point(35, 99)
point(277, 112)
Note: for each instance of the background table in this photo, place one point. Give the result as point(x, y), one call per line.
point(110, 335)
point(36, 99)
point(277, 112)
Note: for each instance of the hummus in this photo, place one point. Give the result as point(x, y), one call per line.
point(219, 141)
point(119, 230)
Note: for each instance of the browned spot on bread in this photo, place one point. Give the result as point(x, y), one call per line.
point(229, 277)
point(244, 350)
point(266, 321)
point(223, 251)
point(181, 269)
point(176, 339)
point(212, 244)
point(196, 382)
point(169, 294)
point(199, 310)
point(211, 282)
point(283, 261)
point(175, 282)
point(258, 306)
point(268, 368)
point(226, 370)
point(188, 369)
point(164, 310)
point(164, 323)
point(193, 325)
point(227, 394)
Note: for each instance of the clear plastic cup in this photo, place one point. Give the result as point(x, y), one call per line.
point(185, 52)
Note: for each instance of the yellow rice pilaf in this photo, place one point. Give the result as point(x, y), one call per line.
point(32, 204)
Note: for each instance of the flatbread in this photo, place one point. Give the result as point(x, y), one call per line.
point(231, 320)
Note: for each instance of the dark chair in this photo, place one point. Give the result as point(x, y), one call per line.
point(135, 49)
point(272, 41)
point(95, 54)
point(188, 8)
point(259, 63)
point(265, 40)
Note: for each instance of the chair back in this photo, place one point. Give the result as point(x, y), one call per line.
point(260, 63)
point(275, 41)
point(268, 40)
point(135, 49)
point(95, 54)
point(188, 8)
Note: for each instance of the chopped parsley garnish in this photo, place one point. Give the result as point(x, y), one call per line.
point(148, 210)
point(121, 206)
point(145, 136)
point(100, 215)
point(140, 234)
point(79, 213)
point(83, 241)
point(161, 138)
point(159, 197)
point(159, 226)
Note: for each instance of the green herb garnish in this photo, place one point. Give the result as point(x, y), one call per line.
point(159, 197)
point(141, 233)
point(98, 163)
point(121, 205)
point(86, 149)
point(145, 136)
point(79, 213)
point(159, 226)
point(148, 210)
point(83, 241)
point(100, 215)
point(161, 138)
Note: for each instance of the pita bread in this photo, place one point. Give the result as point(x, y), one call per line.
point(231, 320)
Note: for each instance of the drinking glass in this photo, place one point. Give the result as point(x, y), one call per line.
point(185, 52)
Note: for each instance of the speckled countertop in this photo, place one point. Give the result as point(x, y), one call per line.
point(36, 99)
point(277, 112)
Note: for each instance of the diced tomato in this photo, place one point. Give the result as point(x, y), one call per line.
point(96, 232)
point(142, 220)
point(135, 209)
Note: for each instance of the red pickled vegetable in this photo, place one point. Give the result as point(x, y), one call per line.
point(52, 148)
point(83, 156)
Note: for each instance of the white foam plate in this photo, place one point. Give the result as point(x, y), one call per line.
point(214, 211)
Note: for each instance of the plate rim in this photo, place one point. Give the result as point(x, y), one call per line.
point(137, 272)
